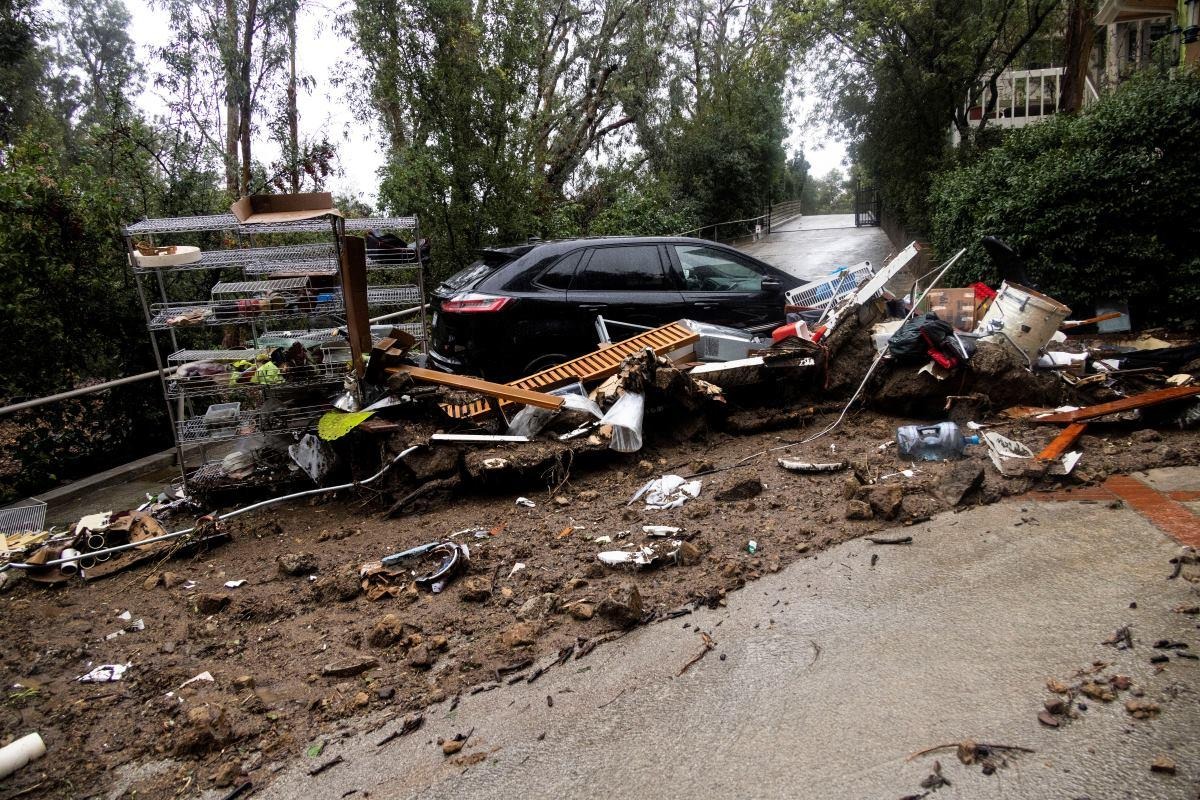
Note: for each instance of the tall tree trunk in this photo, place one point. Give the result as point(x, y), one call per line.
point(247, 97)
point(232, 121)
point(1081, 35)
point(293, 115)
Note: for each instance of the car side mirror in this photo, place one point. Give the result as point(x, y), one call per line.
point(771, 285)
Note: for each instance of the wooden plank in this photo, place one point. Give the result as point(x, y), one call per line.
point(354, 297)
point(1124, 404)
point(507, 392)
point(1079, 323)
point(1062, 442)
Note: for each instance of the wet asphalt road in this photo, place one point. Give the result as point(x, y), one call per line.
point(812, 247)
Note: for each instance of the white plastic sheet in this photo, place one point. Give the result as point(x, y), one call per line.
point(669, 491)
point(625, 417)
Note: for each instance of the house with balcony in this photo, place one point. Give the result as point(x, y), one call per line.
point(1131, 35)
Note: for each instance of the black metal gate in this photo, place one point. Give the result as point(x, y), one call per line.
point(866, 205)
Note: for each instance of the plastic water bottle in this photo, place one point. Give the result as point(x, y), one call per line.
point(938, 442)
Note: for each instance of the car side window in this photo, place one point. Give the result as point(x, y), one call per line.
point(560, 273)
point(707, 269)
point(630, 268)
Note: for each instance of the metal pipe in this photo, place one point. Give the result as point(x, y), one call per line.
point(236, 512)
point(69, 562)
point(408, 312)
point(100, 387)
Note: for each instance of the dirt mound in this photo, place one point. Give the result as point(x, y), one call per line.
point(995, 377)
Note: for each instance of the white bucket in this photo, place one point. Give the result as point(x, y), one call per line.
point(1024, 318)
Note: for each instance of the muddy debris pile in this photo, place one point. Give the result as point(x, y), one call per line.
point(441, 534)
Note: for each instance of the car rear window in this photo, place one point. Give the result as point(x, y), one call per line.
point(468, 277)
point(635, 268)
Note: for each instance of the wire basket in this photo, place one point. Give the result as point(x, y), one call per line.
point(26, 516)
point(819, 293)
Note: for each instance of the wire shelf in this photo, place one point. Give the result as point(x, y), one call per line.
point(26, 516)
point(307, 376)
point(218, 312)
point(187, 356)
point(247, 423)
point(218, 222)
point(381, 223)
point(390, 295)
point(250, 287)
point(211, 222)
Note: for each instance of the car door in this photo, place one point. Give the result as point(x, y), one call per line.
point(726, 289)
point(625, 283)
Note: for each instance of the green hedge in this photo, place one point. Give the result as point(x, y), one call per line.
point(1103, 205)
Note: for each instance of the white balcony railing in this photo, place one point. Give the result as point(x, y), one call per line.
point(1022, 97)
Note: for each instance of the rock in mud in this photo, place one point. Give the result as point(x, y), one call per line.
point(519, 635)
point(476, 589)
point(623, 605)
point(204, 728)
point(858, 509)
point(420, 657)
point(387, 631)
point(961, 480)
point(884, 499)
point(539, 607)
point(689, 555)
point(209, 602)
point(297, 564)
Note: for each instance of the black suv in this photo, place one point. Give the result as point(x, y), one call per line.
point(521, 309)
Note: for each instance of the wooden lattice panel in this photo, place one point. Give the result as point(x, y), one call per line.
point(594, 366)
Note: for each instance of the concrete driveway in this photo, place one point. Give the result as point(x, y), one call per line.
point(811, 247)
point(827, 676)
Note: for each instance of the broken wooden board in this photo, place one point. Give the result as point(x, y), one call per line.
point(1062, 443)
point(594, 366)
point(504, 392)
point(1124, 404)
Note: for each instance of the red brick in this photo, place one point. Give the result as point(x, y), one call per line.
point(1173, 519)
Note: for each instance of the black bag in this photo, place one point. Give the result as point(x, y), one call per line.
point(910, 344)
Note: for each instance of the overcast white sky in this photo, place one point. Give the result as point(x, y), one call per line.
point(324, 110)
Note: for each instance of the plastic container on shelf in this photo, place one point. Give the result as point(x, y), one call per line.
point(942, 441)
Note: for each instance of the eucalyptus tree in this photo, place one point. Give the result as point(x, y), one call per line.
point(221, 61)
point(494, 112)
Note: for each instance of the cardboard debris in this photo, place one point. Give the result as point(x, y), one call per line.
point(259, 209)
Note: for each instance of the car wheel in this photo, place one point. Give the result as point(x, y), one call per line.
point(543, 362)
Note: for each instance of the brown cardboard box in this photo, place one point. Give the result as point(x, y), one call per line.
point(260, 208)
point(956, 306)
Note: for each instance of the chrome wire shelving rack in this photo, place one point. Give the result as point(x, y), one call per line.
point(282, 293)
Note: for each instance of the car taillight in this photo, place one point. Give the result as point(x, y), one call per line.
point(474, 303)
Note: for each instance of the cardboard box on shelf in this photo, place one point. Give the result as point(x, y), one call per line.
point(275, 208)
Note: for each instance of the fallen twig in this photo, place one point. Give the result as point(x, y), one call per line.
point(988, 745)
point(890, 540)
point(411, 723)
point(709, 644)
point(319, 768)
point(614, 698)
